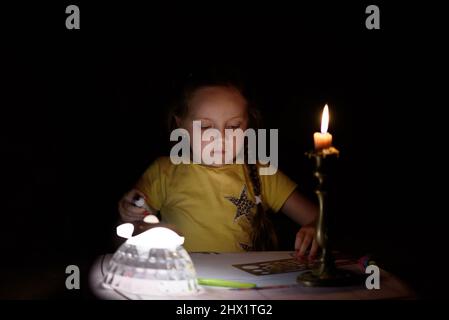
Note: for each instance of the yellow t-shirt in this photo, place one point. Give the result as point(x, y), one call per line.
point(210, 206)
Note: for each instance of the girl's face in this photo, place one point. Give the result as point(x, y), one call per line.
point(217, 107)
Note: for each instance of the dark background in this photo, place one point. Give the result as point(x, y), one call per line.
point(83, 115)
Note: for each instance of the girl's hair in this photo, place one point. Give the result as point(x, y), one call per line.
point(263, 236)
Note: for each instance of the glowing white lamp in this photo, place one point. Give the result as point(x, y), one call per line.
point(152, 263)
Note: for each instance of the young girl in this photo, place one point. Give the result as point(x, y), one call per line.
point(220, 208)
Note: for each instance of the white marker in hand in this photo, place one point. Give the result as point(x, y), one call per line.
point(140, 202)
point(151, 218)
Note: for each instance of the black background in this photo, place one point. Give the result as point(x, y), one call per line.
point(83, 114)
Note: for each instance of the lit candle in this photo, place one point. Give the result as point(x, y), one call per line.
point(323, 139)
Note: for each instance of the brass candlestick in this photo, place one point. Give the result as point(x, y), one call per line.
point(325, 273)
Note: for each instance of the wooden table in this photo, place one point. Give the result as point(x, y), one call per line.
point(213, 265)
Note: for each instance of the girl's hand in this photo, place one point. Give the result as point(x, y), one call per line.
point(128, 211)
point(305, 238)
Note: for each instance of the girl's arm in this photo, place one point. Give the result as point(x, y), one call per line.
point(129, 212)
point(302, 211)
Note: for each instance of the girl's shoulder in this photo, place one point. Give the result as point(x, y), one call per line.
point(163, 162)
point(163, 165)
point(160, 167)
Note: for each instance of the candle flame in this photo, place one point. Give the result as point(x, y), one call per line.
point(325, 120)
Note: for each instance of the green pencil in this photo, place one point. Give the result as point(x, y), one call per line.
point(225, 283)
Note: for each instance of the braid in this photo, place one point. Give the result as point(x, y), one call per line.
point(263, 236)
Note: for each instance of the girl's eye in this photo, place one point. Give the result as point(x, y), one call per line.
point(205, 127)
point(234, 127)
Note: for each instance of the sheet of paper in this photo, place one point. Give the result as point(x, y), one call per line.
point(221, 266)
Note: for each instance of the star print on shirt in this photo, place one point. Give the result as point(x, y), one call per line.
point(243, 204)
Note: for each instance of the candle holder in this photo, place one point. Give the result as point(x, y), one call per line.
point(325, 273)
